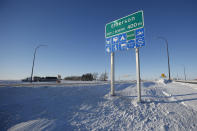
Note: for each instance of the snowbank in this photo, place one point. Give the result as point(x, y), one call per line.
point(164, 81)
point(90, 107)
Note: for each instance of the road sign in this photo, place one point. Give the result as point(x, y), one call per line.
point(131, 44)
point(108, 41)
point(140, 42)
point(139, 33)
point(123, 46)
point(130, 35)
point(108, 48)
point(125, 41)
point(125, 24)
point(115, 40)
point(123, 34)
point(122, 38)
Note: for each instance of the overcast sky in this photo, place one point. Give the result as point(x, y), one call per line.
point(74, 32)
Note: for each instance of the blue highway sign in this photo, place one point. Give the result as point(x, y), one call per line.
point(120, 42)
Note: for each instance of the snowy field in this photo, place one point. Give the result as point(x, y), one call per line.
point(89, 106)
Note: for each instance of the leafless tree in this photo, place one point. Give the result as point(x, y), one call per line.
point(95, 75)
point(103, 76)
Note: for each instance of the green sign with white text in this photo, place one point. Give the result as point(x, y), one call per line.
point(131, 35)
point(125, 24)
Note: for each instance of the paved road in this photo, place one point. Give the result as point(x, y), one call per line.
point(184, 93)
point(191, 82)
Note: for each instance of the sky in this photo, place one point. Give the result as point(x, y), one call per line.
point(74, 32)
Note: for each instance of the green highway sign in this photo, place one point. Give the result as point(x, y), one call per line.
point(131, 35)
point(125, 24)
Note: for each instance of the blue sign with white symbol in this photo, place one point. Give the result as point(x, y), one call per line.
point(115, 40)
point(114, 47)
point(120, 42)
point(108, 48)
point(139, 33)
point(140, 42)
point(122, 38)
point(131, 44)
point(123, 46)
point(108, 41)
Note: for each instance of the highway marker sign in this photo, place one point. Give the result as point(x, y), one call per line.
point(132, 39)
point(124, 34)
point(125, 24)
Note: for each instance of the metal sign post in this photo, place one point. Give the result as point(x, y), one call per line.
point(112, 73)
point(138, 74)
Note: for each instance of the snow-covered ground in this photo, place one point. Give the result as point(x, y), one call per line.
point(171, 106)
point(49, 84)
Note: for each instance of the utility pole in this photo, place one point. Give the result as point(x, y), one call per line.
point(169, 78)
point(177, 77)
point(184, 74)
point(34, 61)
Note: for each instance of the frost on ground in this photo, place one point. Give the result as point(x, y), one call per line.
point(169, 106)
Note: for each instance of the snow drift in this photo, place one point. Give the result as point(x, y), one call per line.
point(164, 107)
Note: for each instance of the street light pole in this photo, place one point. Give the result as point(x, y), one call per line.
point(169, 78)
point(184, 73)
point(34, 61)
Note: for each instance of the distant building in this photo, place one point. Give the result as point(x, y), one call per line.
point(49, 79)
point(28, 79)
point(40, 79)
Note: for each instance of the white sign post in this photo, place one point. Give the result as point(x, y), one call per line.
point(138, 74)
point(112, 73)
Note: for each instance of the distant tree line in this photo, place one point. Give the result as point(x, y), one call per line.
point(74, 78)
point(88, 77)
